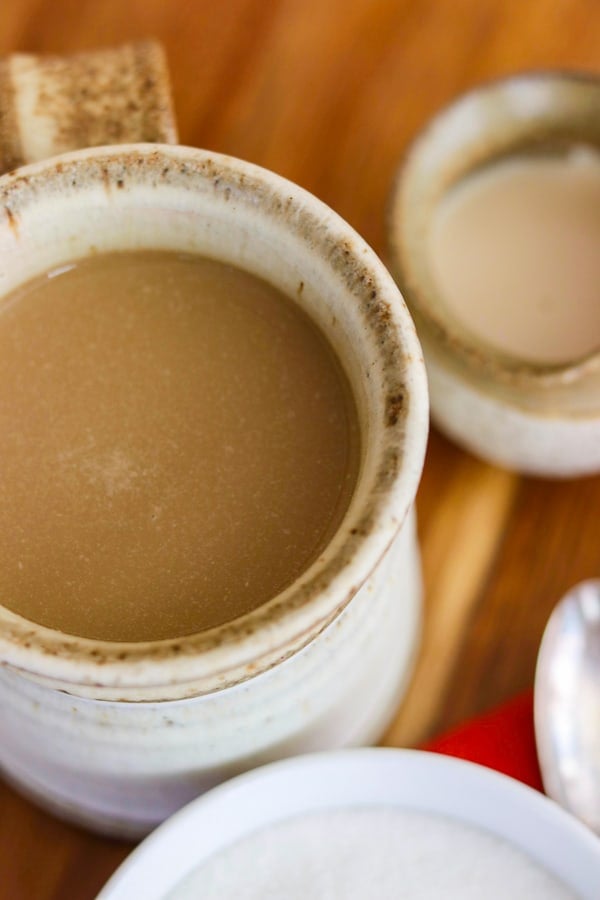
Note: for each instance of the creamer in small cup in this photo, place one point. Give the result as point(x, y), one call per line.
point(117, 736)
point(542, 419)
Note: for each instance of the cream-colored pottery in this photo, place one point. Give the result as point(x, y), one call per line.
point(539, 419)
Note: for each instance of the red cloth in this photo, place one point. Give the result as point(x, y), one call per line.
point(502, 739)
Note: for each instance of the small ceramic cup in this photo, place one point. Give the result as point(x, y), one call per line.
point(117, 736)
point(539, 419)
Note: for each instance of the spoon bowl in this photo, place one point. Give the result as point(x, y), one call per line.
point(567, 703)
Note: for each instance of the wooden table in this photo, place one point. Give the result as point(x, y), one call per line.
point(328, 93)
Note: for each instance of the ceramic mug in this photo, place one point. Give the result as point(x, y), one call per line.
point(119, 735)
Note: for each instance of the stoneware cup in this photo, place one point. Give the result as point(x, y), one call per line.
point(534, 418)
point(119, 735)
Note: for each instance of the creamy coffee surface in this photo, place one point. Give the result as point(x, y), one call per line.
point(178, 442)
point(515, 252)
point(371, 854)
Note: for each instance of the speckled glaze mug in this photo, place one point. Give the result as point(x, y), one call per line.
point(117, 736)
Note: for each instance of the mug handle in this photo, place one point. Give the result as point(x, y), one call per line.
point(53, 104)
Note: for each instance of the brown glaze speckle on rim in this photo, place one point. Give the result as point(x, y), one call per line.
point(11, 152)
point(109, 96)
point(264, 637)
point(534, 112)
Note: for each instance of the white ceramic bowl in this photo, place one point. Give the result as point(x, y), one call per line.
point(407, 779)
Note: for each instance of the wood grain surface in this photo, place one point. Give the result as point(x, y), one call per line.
point(328, 94)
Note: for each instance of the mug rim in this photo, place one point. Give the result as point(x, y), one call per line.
point(232, 652)
point(477, 354)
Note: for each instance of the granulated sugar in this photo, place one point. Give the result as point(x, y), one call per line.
point(370, 854)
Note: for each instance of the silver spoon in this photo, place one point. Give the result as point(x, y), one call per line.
point(567, 703)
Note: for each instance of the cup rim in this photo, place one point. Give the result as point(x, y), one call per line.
point(412, 780)
point(228, 654)
point(477, 354)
